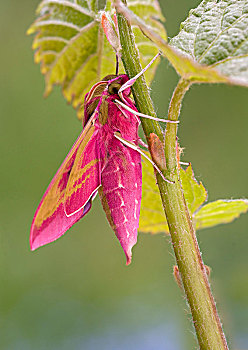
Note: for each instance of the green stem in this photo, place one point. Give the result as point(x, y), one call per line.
point(205, 317)
point(192, 270)
point(131, 62)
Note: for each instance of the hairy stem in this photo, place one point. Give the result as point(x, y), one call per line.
point(192, 271)
point(131, 62)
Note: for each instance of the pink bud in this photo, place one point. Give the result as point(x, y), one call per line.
point(111, 31)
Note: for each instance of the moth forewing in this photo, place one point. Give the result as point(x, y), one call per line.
point(50, 221)
point(103, 111)
point(85, 175)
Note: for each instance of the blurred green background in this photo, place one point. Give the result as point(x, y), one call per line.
point(77, 293)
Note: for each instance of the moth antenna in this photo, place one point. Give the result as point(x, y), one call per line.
point(117, 65)
point(131, 81)
point(136, 148)
point(145, 115)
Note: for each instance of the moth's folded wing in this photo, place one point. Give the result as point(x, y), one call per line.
point(50, 221)
point(120, 194)
point(85, 176)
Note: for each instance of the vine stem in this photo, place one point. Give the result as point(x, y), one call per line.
point(192, 270)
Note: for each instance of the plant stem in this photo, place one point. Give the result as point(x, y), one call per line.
point(205, 317)
point(131, 62)
point(192, 270)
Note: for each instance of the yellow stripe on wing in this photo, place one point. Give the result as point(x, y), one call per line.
point(55, 195)
point(70, 189)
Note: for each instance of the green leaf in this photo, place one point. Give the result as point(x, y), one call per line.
point(195, 193)
point(72, 48)
point(215, 34)
point(152, 217)
point(220, 212)
point(191, 70)
point(211, 46)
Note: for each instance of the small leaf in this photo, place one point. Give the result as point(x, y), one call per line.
point(73, 50)
point(195, 193)
point(215, 34)
point(220, 212)
point(152, 217)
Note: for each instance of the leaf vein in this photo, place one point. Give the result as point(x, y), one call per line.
point(70, 42)
point(51, 38)
point(65, 3)
point(57, 23)
point(228, 59)
point(70, 82)
point(218, 36)
point(48, 52)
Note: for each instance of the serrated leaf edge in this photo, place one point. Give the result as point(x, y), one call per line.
point(73, 5)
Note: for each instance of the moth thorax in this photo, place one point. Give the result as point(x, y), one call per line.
point(113, 87)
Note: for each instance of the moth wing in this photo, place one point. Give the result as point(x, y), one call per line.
point(85, 176)
point(120, 194)
point(50, 221)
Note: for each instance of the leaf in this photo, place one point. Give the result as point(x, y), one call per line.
point(72, 49)
point(220, 212)
point(195, 193)
point(190, 70)
point(211, 46)
point(152, 217)
point(215, 34)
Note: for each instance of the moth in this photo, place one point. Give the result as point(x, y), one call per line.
point(105, 159)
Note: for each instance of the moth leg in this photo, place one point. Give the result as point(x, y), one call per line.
point(142, 143)
point(136, 148)
point(124, 112)
point(131, 81)
point(144, 115)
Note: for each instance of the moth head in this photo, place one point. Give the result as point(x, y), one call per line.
point(115, 82)
point(114, 87)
